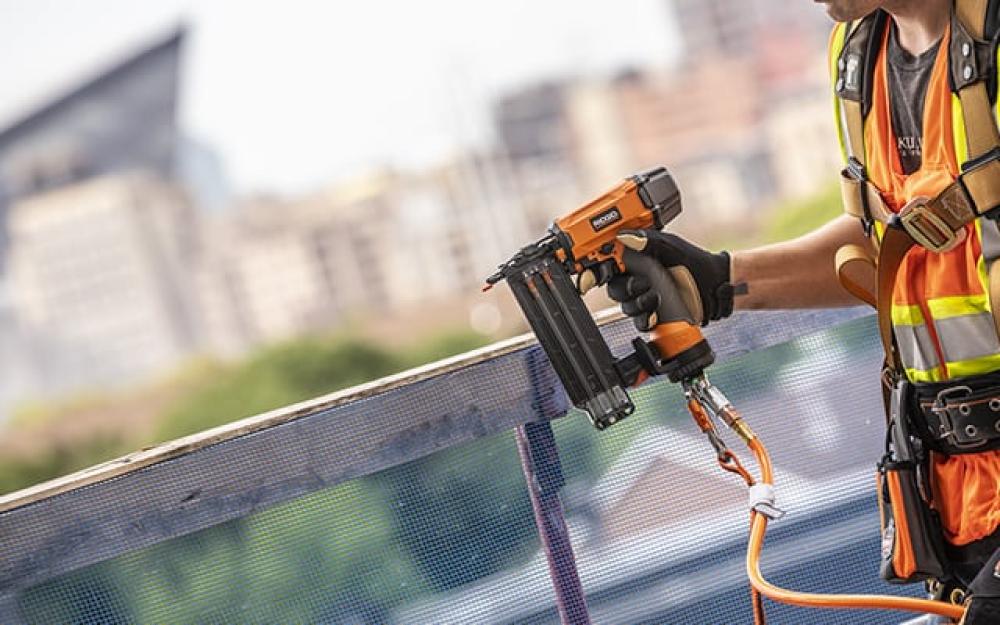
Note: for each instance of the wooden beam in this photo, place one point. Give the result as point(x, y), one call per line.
point(237, 469)
point(179, 447)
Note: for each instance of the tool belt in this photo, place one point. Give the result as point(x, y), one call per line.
point(960, 416)
point(912, 540)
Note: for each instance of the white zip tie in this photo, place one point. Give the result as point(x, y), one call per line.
point(762, 501)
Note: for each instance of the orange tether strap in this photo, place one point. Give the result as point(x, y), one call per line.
point(758, 528)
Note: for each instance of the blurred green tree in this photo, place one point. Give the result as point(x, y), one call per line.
point(275, 377)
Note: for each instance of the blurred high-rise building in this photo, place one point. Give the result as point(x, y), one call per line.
point(382, 245)
point(275, 268)
point(715, 26)
point(537, 141)
point(123, 119)
point(711, 28)
point(98, 273)
point(97, 230)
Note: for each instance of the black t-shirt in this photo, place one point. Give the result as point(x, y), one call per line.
point(909, 76)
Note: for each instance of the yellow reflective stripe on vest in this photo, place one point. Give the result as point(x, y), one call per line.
point(979, 366)
point(958, 130)
point(907, 315)
point(945, 307)
point(837, 41)
point(965, 330)
point(987, 238)
point(998, 99)
point(916, 349)
point(955, 370)
point(915, 375)
point(968, 336)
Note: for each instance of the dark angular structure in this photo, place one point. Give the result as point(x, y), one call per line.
point(122, 119)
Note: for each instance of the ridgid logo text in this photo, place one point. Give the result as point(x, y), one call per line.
point(605, 219)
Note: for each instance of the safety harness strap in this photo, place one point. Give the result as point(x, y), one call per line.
point(861, 199)
point(854, 123)
point(856, 272)
point(937, 223)
point(855, 68)
point(970, 57)
point(895, 244)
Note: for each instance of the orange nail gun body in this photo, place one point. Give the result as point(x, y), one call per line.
point(585, 240)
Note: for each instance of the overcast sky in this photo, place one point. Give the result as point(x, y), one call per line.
point(294, 94)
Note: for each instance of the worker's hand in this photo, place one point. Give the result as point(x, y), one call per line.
point(702, 277)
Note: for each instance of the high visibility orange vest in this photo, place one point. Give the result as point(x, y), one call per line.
point(940, 310)
point(941, 313)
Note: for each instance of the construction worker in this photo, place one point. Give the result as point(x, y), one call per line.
point(915, 92)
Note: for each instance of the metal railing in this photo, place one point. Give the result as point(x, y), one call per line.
point(230, 472)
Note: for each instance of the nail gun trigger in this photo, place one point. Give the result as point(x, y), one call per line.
point(602, 272)
point(606, 270)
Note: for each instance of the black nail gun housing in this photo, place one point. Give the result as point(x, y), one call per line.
point(571, 339)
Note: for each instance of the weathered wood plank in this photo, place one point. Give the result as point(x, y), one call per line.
point(224, 479)
point(145, 457)
point(234, 470)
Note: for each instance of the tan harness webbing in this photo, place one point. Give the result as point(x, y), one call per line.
point(934, 223)
point(856, 271)
point(854, 122)
point(895, 245)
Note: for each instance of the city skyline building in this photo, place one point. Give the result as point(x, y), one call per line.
point(713, 28)
point(98, 280)
point(387, 244)
point(123, 119)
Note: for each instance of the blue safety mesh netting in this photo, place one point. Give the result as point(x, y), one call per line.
point(658, 530)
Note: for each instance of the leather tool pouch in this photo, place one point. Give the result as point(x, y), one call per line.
point(912, 542)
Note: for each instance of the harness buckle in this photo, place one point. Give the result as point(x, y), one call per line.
point(926, 227)
point(946, 428)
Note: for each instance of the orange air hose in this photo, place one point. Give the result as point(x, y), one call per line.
point(758, 527)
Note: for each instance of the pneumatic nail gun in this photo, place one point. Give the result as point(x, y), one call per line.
point(584, 243)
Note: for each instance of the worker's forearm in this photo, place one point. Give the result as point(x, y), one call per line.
point(796, 274)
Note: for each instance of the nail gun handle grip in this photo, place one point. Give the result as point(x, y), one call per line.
point(674, 329)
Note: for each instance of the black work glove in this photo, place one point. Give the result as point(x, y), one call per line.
point(984, 608)
point(701, 275)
